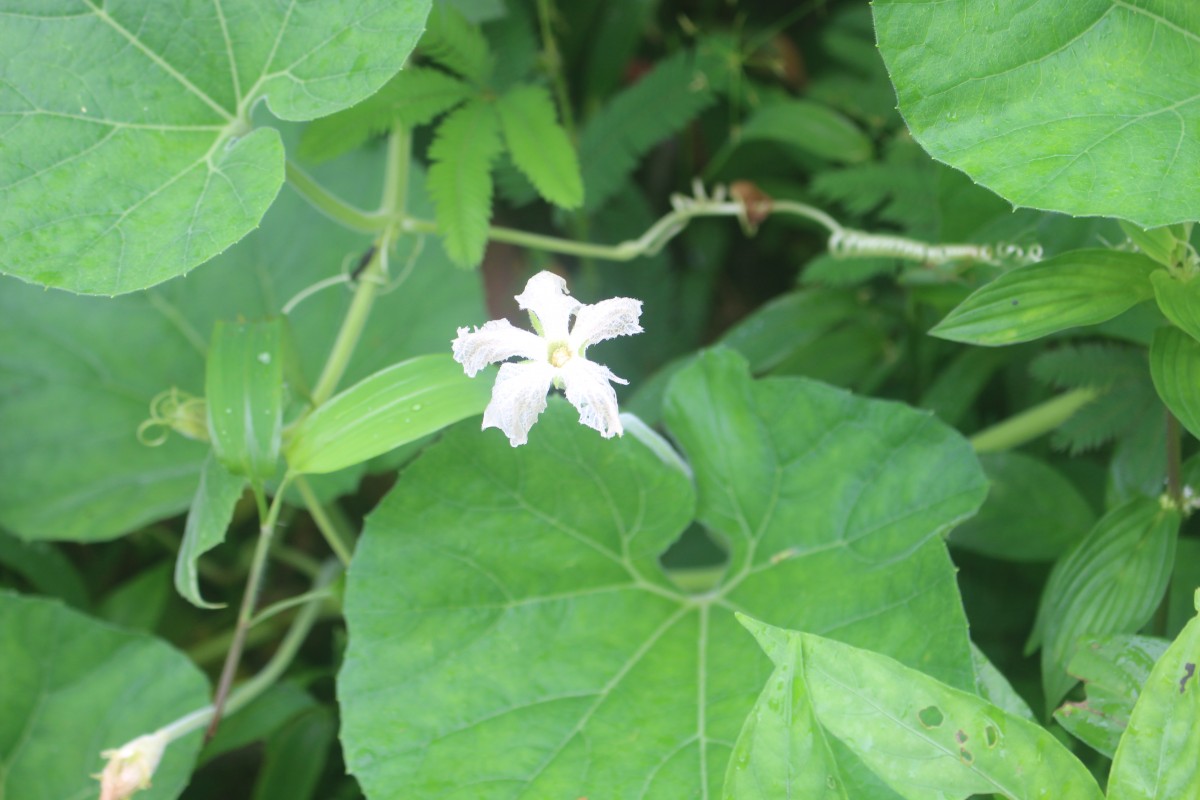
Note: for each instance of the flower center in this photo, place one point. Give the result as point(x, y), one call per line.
point(560, 354)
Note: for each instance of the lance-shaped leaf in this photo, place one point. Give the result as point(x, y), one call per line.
point(133, 158)
point(243, 387)
point(614, 681)
point(83, 371)
point(460, 179)
point(73, 686)
point(920, 737)
point(1047, 105)
point(1179, 301)
point(539, 146)
point(1113, 670)
point(207, 522)
point(1175, 368)
point(1081, 287)
point(1156, 759)
point(395, 406)
point(1110, 582)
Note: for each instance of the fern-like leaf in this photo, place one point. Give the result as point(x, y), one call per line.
point(460, 179)
point(1121, 372)
point(414, 97)
point(637, 119)
point(539, 146)
point(456, 44)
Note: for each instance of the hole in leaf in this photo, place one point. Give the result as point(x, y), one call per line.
point(696, 561)
point(991, 735)
point(966, 755)
point(960, 736)
point(1189, 669)
point(931, 716)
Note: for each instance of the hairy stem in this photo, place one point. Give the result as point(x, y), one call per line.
point(1032, 423)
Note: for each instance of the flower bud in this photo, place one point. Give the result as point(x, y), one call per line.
point(130, 766)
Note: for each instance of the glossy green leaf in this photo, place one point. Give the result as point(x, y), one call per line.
point(207, 522)
point(295, 757)
point(615, 681)
point(79, 373)
point(918, 735)
point(539, 146)
point(1175, 368)
point(1161, 244)
point(74, 686)
point(1049, 105)
point(460, 179)
point(1113, 670)
point(1156, 757)
point(243, 388)
point(991, 685)
point(1110, 582)
point(45, 568)
point(395, 406)
point(1082, 287)
point(810, 126)
point(1032, 512)
point(140, 601)
point(138, 159)
point(1179, 301)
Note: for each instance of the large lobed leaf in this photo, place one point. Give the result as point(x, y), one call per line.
point(73, 686)
point(77, 374)
point(1087, 107)
point(513, 634)
point(126, 151)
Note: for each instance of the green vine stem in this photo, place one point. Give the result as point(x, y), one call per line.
point(326, 524)
point(1032, 423)
point(392, 208)
point(274, 669)
point(246, 611)
point(330, 204)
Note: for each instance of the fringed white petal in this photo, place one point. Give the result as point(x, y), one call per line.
point(605, 320)
point(518, 398)
point(546, 297)
point(588, 387)
point(495, 341)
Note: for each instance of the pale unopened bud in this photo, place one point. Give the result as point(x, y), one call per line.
point(130, 766)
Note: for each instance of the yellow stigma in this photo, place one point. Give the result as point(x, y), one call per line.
point(560, 354)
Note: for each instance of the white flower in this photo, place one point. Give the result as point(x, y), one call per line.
point(130, 766)
point(556, 357)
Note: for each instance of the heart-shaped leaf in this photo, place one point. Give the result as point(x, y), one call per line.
point(73, 686)
point(130, 156)
point(512, 631)
point(1084, 108)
